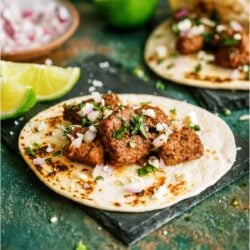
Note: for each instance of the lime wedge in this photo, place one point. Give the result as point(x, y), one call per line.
point(16, 99)
point(49, 82)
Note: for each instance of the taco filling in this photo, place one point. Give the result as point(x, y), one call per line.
point(103, 131)
point(201, 30)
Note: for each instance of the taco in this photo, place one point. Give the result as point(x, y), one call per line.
point(130, 152)
point(206, 46)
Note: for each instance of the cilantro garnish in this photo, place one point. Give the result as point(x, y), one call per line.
point(98, 178)
point(175, 28)
point(57, 153)
point(119, 134)
point(195, 127)
point(159, 85)
point(146, 170)
point(30, 151)
point(208, 36)
point(48, 160)
point(85, 121)
point(197, 68)
point(139, 125)
point(229, 42)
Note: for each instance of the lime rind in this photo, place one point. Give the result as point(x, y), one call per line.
point(27, 102)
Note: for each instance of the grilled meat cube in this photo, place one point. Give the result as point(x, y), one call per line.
point(189, 45)
point(111, 100)
point(160, 116)
point(122, 147)
point(91, 154)
point(70, 114)
point(235, 55)
point(182, 146)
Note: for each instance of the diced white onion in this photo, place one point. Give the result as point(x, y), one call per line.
point(78, 141)
point(49, 149)
point(92, 116)
point(159, 141)
point(107, 113)
point(161, 126)
point(92, 128)
point(89, 136)
point(184, 25)
point(207, 22)
point(86, 109)
point(196, 30)
point(192, 119)
point(134, 187)
point(39, 161)
point(220, 28)
point(154, 161)
point(236, 26)
point(237, 36)
point(159, 193)
point(235, 74)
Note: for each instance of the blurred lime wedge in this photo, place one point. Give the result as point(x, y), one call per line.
point(126, 13)
point(16, 99)
point(49, 82)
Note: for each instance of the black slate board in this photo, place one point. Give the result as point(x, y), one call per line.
point(128, 227)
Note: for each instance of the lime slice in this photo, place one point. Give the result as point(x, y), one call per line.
point(49, 82)
point(16, 99)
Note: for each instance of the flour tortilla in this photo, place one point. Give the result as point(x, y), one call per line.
point(163, 188)
point(210, 76)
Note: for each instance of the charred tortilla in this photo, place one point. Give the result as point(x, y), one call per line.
point(186, 69)
point(122, 188)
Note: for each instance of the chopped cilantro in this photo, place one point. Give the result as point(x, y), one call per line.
point(72, 107)
point(139, 125)
point(81, 246)
point(81, 105)
point(197, 68)
point(30, 151)
point(208, 36)
point(145, 103)
point(96, 107)
point(159, 85)
point(98, 178)
point(229, 42)
point(57, 153)
point(35, 144)
point(119, 134)
point(172, 111)
point(160, 60)
point(197, 22)
point(146, 170)
point(85, 121)
point(175, 28)
point(67, 130)
point(48, 160)
point(170, 65)
point(195, 127)
point(173, 54)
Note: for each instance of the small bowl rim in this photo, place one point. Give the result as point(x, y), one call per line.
point(46, 48)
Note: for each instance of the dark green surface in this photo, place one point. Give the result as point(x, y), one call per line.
point(27, 205)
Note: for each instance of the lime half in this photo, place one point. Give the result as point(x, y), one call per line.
point(49, 82)
point(16, 99)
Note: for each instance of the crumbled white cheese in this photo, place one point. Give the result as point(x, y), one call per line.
point(148, 112)
point(161, 126)
point(53, 219)
point(237, 36)
point(220, 28)
point(161, 51)
point(92, 89)
point(49, 149)
point(184, 25)
point(104, 65)
point(97, 83)
point(159, 193)
point(41, 126)
point(245, 117)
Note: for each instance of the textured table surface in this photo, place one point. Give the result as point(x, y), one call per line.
point(27, 206)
